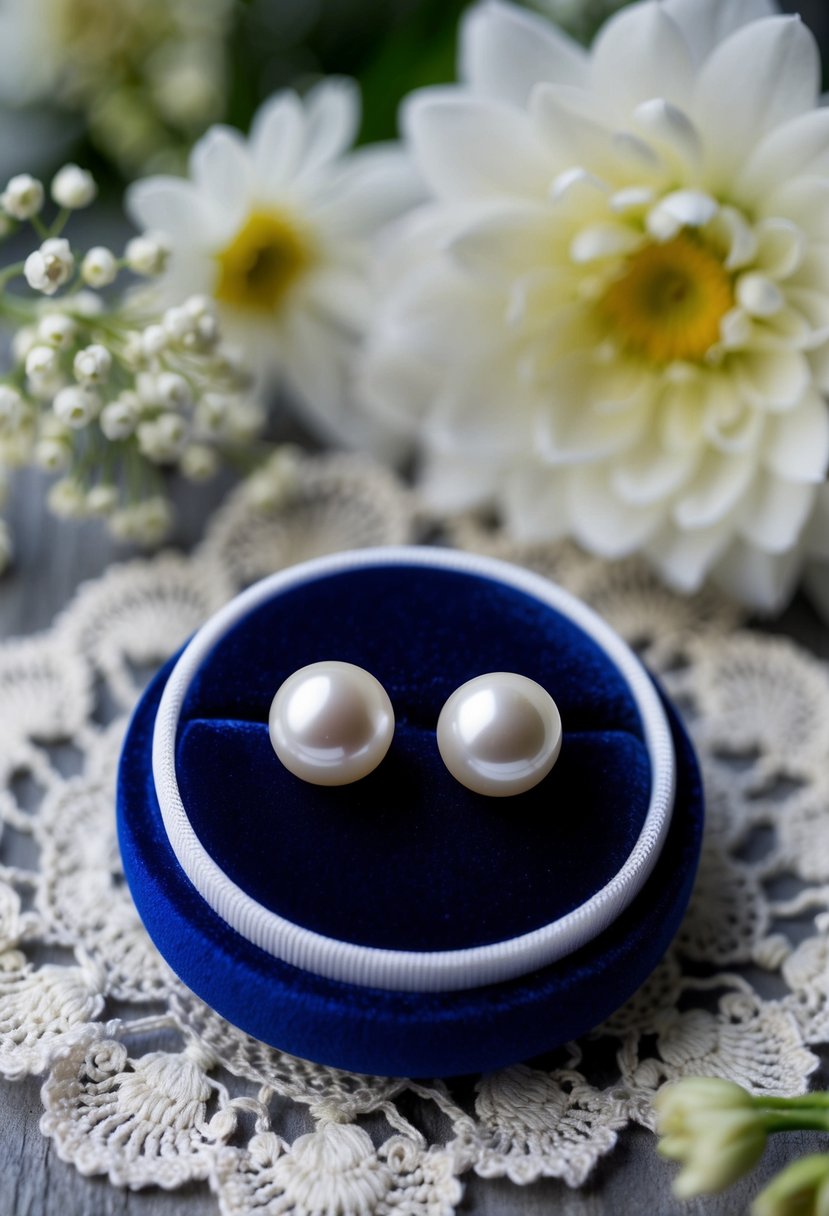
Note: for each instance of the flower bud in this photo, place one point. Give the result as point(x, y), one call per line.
point(41, 362)
point(153, 340)
point(146, 255)
point(173, 390)
point(119, 419)
point(76, 406)
point(802, 1189)
point(73, 187)
point(102, 499)
point(58, 330)
point(99, 268)
point(49, 267)
point(23, 341)
point(92, 365)
point(713, 1128)
point(52, 455)
point(23, 197)
point(67, 498)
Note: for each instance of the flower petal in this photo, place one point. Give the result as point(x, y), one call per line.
point(797, 444)
point(639, 53)
point(797, 148)
point(370, 187)
point(775, 513)
point(535, 503)
point(774, 380)
point(650, 474)
point(764, 74)
point(765, 581)
point(171, 205)
point(276, 140)
point(685, 558)
point(506, 244)
point(805, 202)
point(601, 521)
point(220, 167)
point(706, 23)
point(504, 51)
point(718, 485)
point(450, 482)
point(332, 117)
point(469, 148)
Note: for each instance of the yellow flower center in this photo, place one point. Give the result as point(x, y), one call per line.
point(669, 300)
point(262, 262)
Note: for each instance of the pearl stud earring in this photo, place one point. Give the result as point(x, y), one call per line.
point(331, 723)
point(499, 734)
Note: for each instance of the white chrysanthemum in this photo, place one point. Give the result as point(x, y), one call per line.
point(276, 228)
point(612, 319)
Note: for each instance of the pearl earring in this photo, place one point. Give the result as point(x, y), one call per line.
point(331, 723)
point(499, 734)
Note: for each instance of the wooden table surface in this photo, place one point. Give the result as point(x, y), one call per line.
point(54, 557)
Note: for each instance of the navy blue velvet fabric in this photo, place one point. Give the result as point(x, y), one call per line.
point(406, 858)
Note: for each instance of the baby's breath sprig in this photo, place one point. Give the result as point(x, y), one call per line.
point(108, 391)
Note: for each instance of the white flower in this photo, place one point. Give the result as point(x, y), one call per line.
point(23, 197)
point(49, 267)
point(612, 320)
point(146, 255)
point(67, 498)
point(76, 406)
point(92, 365)
point(58, 330)
point(162, 439)
point(276, 229)
point(102, 499)
point(41, 362)
point(172, 390)
point(99, 267)
point(119, 419)
point(73, 187)
point(712, 1128)
point(53, 455)
point(145, 523)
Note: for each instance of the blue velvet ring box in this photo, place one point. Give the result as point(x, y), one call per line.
point(403, 925)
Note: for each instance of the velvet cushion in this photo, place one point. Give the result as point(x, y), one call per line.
point(406, 858)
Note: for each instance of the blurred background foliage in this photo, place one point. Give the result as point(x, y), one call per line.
point(125, 86)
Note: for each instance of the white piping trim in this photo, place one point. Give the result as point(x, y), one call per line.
point(410, 970)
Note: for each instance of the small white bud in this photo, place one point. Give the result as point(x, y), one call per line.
point(73, 187)
point(68, 499)
point(173, 390)
point(146, 388)
point(147, 255)
point(177, 323)
point(199, 462)
point(119, 419)
point(92, 365)
point(49, 267)
point(58, 330)
point(132, 354)
point(153, 340)
point(146, 522)
point(161, 439)
point(23, 341)
point(41, 362)
point(99, 268)
point(11, 407)
point(76, 406)
point(23, 197)
point(199, 306)
point(53, 455)
point(102, 499)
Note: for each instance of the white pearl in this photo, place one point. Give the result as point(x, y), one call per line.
point(331, 723)
point(499, 734)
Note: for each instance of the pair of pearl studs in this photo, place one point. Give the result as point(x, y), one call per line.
point(332, 723)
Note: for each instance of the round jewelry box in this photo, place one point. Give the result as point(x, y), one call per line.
point(403, 924)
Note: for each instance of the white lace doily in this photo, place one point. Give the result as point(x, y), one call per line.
point(147, 1085)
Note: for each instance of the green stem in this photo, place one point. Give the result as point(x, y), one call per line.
point(59, 222)
point(818, 1099)
point(801, 1120)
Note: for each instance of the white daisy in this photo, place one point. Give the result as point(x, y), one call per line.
point(611, 320)
point(277, 229)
